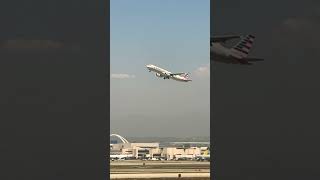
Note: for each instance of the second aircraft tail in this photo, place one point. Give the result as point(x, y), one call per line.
point(244, 46)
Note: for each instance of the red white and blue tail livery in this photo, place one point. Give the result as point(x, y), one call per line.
point(238, 54)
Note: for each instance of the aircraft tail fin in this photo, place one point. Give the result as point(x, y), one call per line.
point(186, 76)
point(244, 46)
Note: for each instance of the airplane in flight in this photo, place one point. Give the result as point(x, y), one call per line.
point(238, 54)
point(162, 73)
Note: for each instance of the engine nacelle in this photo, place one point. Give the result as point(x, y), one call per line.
point(158, 75)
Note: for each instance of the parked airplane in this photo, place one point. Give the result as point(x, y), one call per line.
point(162, 73)
point(203, 157)
point(120, 156)
point(235, 55)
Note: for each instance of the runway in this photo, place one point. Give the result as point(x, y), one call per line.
point(159, 169)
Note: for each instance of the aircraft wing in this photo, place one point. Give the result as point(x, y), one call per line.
point(173, 74)
point(223, 38)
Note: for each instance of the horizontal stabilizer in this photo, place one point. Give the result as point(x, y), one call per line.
point(254, 59)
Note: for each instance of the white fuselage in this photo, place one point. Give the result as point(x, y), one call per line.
point(221, 53)
point(165, 74)
point(120, 156)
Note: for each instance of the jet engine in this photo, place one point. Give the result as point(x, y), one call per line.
point(158, 75)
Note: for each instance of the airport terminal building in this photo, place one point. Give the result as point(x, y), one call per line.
point(125, 149)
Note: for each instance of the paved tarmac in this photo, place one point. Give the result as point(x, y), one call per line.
point(134, 169)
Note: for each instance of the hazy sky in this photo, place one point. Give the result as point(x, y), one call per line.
point(172, 34)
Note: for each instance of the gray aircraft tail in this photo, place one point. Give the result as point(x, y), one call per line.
point(244, 46)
